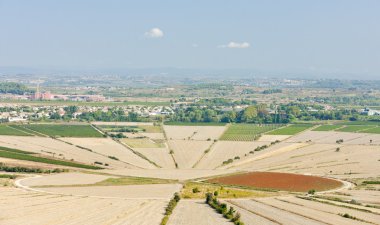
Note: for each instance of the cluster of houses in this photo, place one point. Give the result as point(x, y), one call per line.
point(370, 112)
point(18, 113)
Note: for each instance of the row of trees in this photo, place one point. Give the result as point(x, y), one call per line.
point(13, 88)
point(261, 113)
point(230, 214)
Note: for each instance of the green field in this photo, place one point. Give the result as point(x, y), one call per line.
point(355, 128)
point(327, 127)
point(64, 130)
point(246, 132)
point(174, 123)
point(291, 130)
point(134, 129)
point(374, 130)
point(6, 130)
point(28, 156)
point(373, 123)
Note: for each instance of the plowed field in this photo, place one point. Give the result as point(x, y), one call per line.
point(279, 181)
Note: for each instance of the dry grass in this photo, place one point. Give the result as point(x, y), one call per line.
point(198, 190)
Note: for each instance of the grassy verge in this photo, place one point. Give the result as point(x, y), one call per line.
point(133, 181)
point(197, 190)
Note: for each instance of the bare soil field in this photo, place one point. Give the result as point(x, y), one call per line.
point(279, 181)
point(108, 147)
point(19, 207)
point(291, 210)
point(150, 191)
point(64, 179)
point(30, 164)
point(274, 150)
point(200, 133)
point(224, 150)
point(142, 143)
point(190, 212)
point(187, 153)
point(160, 156)
point(350, 161)
point(330, 137)
point(58, 149)
point(176, 174)
point(270, 138)
point(153, 135)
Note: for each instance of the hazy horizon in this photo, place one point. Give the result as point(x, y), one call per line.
point(326, 39)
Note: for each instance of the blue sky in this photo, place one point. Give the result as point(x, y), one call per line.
point(305, 36)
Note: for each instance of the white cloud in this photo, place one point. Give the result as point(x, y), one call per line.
point(195, 45)
point(154, 33)
point(235, 45)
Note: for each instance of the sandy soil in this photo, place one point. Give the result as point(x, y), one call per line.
point(64, 179)
point(151, 191)
point(180, 174)
point(271, 138)
point(322, 159)
point(190, 212)
point(187, 153)
point(330, 137)
point(201, 133)
point(20, 207)
point(61, 150)
point(108, 147)
point(153, 135)
point(30, 164)
point(224, 150)
point(297, 203)
point(279, 212)
point(160, 156)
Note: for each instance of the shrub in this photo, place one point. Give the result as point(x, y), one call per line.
point(222, 208)
point(311, 192)
point(169, 209)
point(113, 157)
point(196, 190)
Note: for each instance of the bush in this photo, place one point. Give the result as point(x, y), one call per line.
point(222, 208)
point(169, 209)
point(195, 190)
point(311, 192)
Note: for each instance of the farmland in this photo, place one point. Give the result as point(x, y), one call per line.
point(27, 156)
point(265, 185)
point(142, 143)
point(63, 130)
point(8, 130)
point(246, 132)
point(355, 128)
point(278, 181)
point(291, 129)
point(327, 127)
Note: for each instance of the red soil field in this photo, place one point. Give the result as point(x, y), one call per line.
point(279, 181)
